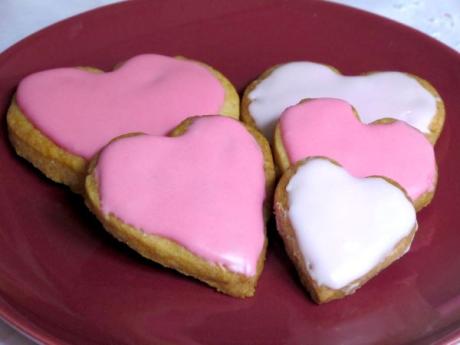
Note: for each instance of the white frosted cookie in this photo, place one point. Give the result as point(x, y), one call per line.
point(375, 96)
point(340, 230)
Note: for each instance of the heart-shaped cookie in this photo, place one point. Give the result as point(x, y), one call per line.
point(340, 230)
point(60, 118)
point(374, 95)
point(331, 128)
point(193, 202)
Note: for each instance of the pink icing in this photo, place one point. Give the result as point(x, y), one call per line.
point(204, 189)
point(81, 111)
point(328, 127)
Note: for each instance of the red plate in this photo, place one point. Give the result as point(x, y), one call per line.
point(63, 279)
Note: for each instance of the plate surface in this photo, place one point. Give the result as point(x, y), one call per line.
point(64, 280)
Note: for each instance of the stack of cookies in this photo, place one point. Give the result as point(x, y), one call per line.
point(158, 152)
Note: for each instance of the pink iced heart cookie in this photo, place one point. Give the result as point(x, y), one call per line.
point(389, 148)
point(60, 118)
point(193, 202)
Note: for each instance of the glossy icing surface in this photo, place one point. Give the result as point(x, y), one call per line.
point(204, 190)
point(374, 96)
point(328, 127)
point(345, 226)
point(81, 111)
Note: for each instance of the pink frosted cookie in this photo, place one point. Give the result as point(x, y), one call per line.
point(330, 128)
point(193, 202)
point(60, 118)
point(341, 230)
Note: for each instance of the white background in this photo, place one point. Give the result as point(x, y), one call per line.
point(19, 18)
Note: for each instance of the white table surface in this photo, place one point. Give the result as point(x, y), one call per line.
point(439, 19)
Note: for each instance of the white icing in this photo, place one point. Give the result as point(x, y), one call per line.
point(344, 225)
point(374, 96)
